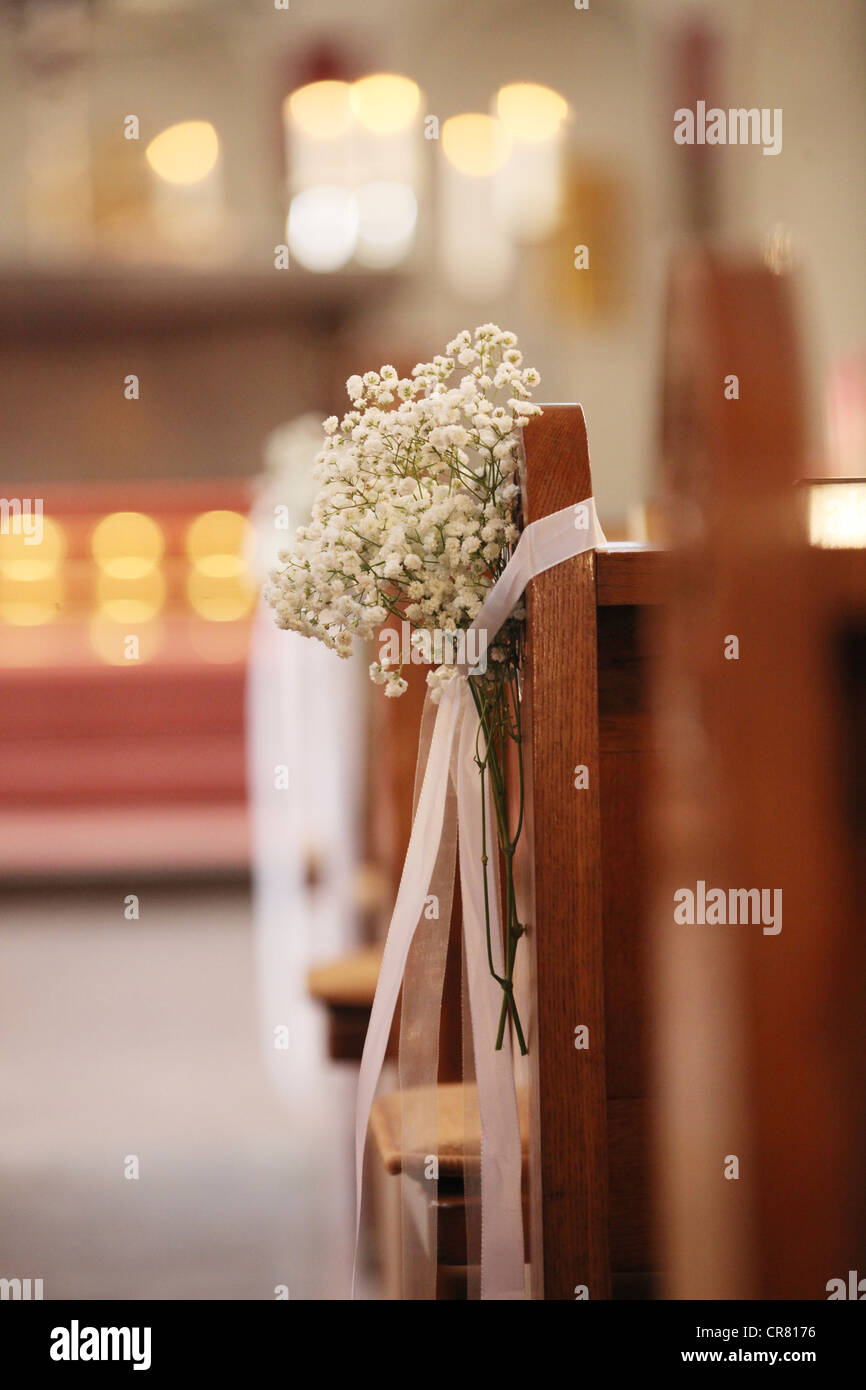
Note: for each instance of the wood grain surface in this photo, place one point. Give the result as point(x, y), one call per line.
point(568, 1141)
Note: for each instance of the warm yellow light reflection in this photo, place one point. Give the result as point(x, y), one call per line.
point(530, 112)
point(219, 600)
point(30, 602)
point(216, 543)
point(30, 562)
point(322, 109)
point(476, 145)
point(384, 102)
point(184, 153)
point(130, 600)
point(127, 545)
point(837, 515)
point(125, 644)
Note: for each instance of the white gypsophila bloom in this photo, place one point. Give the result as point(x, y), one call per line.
point(438, 679)
point(416, 512)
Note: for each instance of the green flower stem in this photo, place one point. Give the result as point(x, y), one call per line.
point(492, 707)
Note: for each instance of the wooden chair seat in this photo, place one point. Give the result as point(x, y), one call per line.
point(446, 1198)
point(628, 1126)
point(347, 982)
point(455, 1157)
point(345, 987)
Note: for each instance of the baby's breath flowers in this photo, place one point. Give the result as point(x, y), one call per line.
point(416, 517)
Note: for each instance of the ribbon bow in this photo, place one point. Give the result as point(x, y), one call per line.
point(451, 760)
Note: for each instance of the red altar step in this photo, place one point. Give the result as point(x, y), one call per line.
point(140, 766)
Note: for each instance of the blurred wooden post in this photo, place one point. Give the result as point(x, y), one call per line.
point(762, 1052)
point(568, 1128)
point(587, 703)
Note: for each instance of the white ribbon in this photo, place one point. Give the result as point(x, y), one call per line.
point(543, 544)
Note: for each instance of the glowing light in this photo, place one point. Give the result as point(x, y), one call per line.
point(385, 103)
point(184, 153)
point(130, 600)
point(32, 562)
point(837, 515)
point(216, 543)
point(121, 644)
point(475, 144)
point(322, 227)
point(219, 600)
point(530, 112)
point(322, 109)
point(30, 602)
point(127, 545)
point(387, 216)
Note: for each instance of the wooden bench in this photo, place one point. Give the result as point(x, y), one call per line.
point(585, 1112)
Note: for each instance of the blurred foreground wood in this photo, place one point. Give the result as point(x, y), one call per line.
point(762, 1029)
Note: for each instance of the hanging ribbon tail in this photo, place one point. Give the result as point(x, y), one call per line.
point(543, 544)
point(502, 1263)
point(418, 869)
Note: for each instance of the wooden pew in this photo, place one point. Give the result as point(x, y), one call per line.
point(762, 1037)
point(585, 1112)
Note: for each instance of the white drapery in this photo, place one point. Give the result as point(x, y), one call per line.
point(305, 745)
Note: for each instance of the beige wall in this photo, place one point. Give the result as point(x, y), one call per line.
point(612, 63)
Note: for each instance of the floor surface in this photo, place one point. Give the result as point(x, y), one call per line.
point(122, 1039)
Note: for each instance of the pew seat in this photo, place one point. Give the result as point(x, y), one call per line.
point(628, 1129)
point(454, 1157)
point(345, 988)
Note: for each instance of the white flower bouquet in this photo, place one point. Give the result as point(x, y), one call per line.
point(416, 517)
